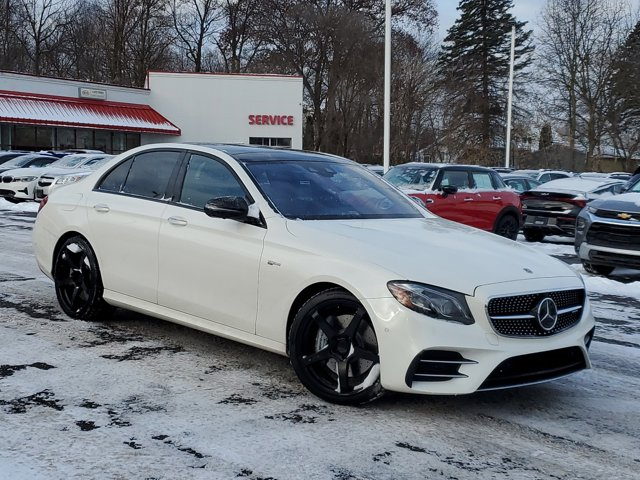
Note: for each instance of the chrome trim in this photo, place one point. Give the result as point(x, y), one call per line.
point(457, 362)
point(458, 375)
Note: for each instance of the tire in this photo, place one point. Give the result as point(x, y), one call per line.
point(532, 235)
point(78, 282)
point(507, 227)
point(334, 349)
point(597, 269)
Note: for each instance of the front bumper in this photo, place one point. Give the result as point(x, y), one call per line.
point(609, 242)
point(475, 356)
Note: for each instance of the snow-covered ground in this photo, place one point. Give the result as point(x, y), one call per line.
point(139, 398)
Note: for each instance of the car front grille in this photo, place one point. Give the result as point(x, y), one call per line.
point(436, 366)
point(634, 216)
point(535, 367)
point(516, 315)
point(614, 259)
point(7, 193)
point(611, 235)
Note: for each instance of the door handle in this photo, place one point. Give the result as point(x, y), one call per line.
point(497, 198)
point(429, 200)
point(468, 200)
point(101, 207)
point(178, 221)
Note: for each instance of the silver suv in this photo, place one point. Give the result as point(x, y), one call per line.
point(608, 232)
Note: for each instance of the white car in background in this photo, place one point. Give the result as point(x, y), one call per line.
point(311, 256)
point(51, 180)
point(20, 184)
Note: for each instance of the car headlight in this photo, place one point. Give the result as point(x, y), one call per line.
point(70, 179)
point(24, 179)
point(434, 302)
point(592, 209)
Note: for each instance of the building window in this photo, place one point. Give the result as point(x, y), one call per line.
point(45, 138)
point(133, 140)
point(65, 138)
point(270, 141)
point(102, 140)
point(84, 138)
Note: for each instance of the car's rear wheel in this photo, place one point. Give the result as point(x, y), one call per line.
point(508, 227)
point(334, 349)
point(77, 280)
point(533, 235)
point(597, 269)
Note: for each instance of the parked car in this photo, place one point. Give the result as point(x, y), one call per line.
point(7, 155)
point(548, 175)
point(309, 255)
point(608, 232)
point(520, 183)
point(475, 196)
point(51, 180)
point(379, 169)
point(22, 165)
point(19, 184)
point(552, 208)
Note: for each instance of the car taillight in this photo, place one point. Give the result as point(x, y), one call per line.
point(43, 202)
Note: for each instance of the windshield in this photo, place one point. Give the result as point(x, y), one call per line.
point(18, 161)
point(326, 191)
point(95, 162)
point(635, 187)
point(68, 161)
point(418, 177)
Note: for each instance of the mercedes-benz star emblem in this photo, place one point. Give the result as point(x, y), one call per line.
point(547, 314)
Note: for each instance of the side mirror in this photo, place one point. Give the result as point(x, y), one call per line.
point(449, 190)
point(235, 208)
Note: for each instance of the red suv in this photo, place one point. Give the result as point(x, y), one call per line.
point(475, 196)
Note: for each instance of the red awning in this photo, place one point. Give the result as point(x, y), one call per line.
point(36, 109)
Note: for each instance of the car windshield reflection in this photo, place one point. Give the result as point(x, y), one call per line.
point(326, 191)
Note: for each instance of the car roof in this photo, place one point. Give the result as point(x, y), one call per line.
point(251, 153)
point(509, 176)
point(451, 166)
point(576, 184)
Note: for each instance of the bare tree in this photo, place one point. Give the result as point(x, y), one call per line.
point(237, 41)
point(194, 22)
point(42, 26)
point(578, 43)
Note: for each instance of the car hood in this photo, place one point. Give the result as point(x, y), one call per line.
point(625, 202)
point(433, 251)
point(35, 171)
point(57, 172)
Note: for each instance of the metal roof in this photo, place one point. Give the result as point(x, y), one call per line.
point(37, 109)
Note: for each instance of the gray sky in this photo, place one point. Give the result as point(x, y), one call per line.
point(523, 10)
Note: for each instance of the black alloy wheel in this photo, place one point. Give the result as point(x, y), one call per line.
point(77, 280)
point(597, 269)
point(334, 349)
point(533, 235)
point(508, 227)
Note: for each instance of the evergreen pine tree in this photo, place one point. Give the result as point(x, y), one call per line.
point(474, 66)
point(626, 76)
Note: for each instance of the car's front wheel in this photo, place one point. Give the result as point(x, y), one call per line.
point(334, 349)
point(508, 227)
point(77, 280)
point(597, 269)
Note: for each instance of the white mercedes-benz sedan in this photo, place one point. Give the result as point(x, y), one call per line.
point(315, 257)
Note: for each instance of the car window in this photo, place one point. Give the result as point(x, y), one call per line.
point(150, 173)
point(113, 181)
point(545, 177)
point(328, 191)
point(533, 184)
point(497, 180)
point(41, 162)
point(456, 178)
point(418, 176)
point(517, 184)
point(482, 180)
point(207, 178)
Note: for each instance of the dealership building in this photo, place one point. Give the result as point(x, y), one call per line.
point(43, 113)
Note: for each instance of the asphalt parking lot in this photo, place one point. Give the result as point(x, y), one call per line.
point(135, 397)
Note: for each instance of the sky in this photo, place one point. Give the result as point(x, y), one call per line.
point(523, 10)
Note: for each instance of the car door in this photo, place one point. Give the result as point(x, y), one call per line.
point(487, 200)
point(124, 212)
point(458, 206)
point(209, 266)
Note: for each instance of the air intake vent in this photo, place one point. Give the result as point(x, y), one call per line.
point(436, 366)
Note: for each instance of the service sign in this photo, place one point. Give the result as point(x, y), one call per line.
point(286, 120)
point(92, 93)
